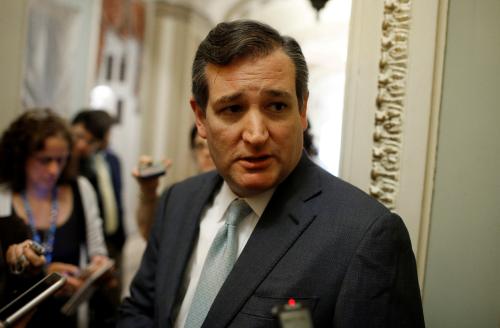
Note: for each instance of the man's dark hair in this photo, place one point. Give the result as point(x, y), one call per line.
point(229, 41)
point(309, 146)
point(97, 122)
point(24, 137)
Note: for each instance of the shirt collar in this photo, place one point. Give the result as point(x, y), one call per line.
point(257, 203)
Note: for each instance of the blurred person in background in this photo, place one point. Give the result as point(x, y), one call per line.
point(148, 186)
point(102, 167)
point(42, 200)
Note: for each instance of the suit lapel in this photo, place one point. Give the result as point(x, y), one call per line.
point(288, 213)
point(178, 244)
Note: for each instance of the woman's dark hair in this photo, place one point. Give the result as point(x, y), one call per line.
point(229, 41)
point(26, 136)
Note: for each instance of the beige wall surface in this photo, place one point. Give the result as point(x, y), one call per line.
point(462, 285)
point(13, 40)
point(12, 37)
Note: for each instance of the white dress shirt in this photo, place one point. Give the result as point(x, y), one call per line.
point(211, 222)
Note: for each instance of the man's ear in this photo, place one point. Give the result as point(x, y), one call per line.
point(199, 117)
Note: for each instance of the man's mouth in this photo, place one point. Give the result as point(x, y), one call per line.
point(255, 162)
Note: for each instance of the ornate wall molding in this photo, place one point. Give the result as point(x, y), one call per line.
point(388, 134)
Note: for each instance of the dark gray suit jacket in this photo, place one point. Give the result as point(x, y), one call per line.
point(320, 240)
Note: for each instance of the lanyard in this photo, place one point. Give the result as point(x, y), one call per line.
point(48, 242)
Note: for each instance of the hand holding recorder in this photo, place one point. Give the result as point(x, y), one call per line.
point(148, 173)
point(27, 256)
point(147, 169)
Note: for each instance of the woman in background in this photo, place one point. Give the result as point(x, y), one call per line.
point(41, 200)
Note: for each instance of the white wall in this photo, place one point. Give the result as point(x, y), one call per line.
point(61, 40)
point(462, 285)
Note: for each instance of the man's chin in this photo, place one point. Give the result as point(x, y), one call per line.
point(254, 184)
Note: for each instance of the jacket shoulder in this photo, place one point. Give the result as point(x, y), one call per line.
point(344, 193)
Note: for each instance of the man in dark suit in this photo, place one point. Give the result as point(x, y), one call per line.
point(92, 129)
point(101, 166)
point(309, 236)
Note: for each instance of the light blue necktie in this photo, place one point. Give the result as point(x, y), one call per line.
point(219, 262)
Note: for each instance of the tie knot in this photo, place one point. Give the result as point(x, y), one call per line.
point(237, 210)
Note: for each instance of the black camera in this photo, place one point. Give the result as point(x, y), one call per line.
point(152, 170)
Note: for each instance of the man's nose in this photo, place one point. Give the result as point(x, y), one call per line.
point(255, 129)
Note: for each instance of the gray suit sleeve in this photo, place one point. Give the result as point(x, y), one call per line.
point(380, 288)
point(138, 310)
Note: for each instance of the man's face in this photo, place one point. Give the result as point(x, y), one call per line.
point(252, 121)
point(85, 143)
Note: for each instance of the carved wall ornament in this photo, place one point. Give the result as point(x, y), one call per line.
point(388, 134)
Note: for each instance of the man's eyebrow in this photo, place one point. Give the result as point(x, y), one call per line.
point(227, 99)
point(278, 93)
